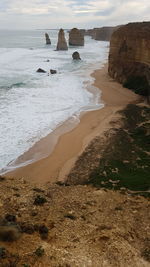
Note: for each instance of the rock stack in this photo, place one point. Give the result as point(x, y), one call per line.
point(76, 56)
point(76, 38)
point(48, 41)
point(62, 44)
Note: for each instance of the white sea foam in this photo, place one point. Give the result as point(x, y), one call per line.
point(33, 104)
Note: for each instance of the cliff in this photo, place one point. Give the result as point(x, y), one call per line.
point(129, 57)
point(104, 33)
point(76, 38)
point(101, 34)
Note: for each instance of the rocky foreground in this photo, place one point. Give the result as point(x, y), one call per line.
point(72, 226)
point(86, 224)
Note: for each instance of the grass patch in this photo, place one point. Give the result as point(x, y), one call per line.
point(126, 161)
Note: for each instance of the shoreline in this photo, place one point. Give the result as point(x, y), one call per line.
point(45, 145)
point(68, 145)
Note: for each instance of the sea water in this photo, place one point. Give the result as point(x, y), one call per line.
point(33, 104)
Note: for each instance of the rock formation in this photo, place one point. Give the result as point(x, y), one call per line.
point(76, 56)
point(41, 70)
point(101, 34)
point(53, 71)
point(129, 57)
point(104, 33)
point(76, 38)
point(62, 44)
point(48, 41)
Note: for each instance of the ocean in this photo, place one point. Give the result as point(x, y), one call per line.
point(33, 104)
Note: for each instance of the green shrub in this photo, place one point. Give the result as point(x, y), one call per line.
point(39, 251)
point(138, 84)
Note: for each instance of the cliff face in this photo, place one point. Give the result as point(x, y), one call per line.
point(104, 33)
point(101, 34)
point(62, 44)
point(76, 38)
point(129, 57)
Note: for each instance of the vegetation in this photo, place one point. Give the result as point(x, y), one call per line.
point(39, 200)
point(138, 84)
point(39, 252)
point(126, 161)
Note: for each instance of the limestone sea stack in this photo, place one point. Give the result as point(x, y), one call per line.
point(129, 57)
point(48, 41)
point(76, 38)
point(62, 44)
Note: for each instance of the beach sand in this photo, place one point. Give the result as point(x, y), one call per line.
point(67, 142)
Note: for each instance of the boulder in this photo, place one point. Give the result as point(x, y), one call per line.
point(61, 44)
point(53, 71)
point(48, 41)
point(76, 38)
point(41, 70)
point(76, 56)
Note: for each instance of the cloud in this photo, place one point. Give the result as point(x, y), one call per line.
point(69, 13)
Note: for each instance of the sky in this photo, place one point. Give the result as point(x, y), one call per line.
point(40, 14)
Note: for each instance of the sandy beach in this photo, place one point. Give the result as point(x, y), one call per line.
point(67, 142)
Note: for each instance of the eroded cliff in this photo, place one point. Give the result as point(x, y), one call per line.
point(129, 57)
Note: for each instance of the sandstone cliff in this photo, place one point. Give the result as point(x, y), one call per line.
point(101, 34)
point(104, 33)
point(129, 57)
point(62, 44)
point(76, 38)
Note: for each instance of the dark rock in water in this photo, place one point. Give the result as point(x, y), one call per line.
point(53, 71)
point(62, 44)
point(9, 233)
point(76, 56)
point(48, 41)
point(10, 218)
point(41, 70)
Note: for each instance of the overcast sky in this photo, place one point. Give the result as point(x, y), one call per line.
point(32, 14)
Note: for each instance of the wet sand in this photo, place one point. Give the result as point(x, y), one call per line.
point(68, 141)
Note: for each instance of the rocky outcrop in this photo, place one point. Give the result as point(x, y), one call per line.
point(76, 38)
point(62, 44)
point(41, 70)
point(48, 41)
point(129, 57)
point(76, 56)
point(53, 71)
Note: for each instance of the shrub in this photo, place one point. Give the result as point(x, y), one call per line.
point(39, 251)
point(39, 200)
point(138, 84)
